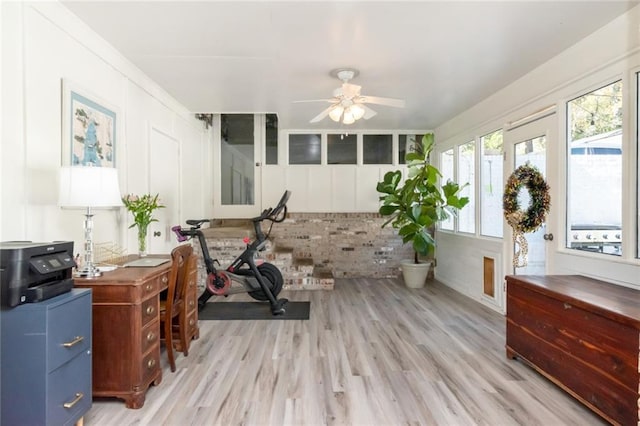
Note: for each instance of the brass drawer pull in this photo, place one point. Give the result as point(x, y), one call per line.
point(191, 321)
point(74, 342)
point(165, 279)
point(151, 336)
point(151, 363)
point(77, 399)
point(149, 287)
point(192, 303)
point(150, 310)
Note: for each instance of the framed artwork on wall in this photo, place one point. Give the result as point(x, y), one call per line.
point(88, 128)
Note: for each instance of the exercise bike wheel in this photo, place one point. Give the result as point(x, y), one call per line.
point(274, 278)
point(223, 279)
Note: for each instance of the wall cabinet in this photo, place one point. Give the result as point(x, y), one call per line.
point(46, 360)
point(582, 334)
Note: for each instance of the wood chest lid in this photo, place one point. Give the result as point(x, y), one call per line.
point(619, 303)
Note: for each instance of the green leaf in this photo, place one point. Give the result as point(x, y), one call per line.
point(387, 210)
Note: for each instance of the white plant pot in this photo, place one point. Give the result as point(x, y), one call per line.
point(415, 274)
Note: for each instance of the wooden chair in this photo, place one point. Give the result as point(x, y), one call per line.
point(185, 326)
point(174, 303)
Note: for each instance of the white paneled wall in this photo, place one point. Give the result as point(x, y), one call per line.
point(324, 189)
point(42, 44)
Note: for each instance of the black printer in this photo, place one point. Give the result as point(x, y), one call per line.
point(32, 272)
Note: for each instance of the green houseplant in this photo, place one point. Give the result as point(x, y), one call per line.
point(414, 206)
point(142, 207)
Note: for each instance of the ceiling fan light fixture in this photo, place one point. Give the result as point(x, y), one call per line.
point(336, 113)
point(357, 111)
point(348, 117)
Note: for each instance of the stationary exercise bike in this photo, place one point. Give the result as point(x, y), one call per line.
point(263, 282)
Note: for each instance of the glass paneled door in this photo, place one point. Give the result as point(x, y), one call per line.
point(237, 161)
point(528, 144)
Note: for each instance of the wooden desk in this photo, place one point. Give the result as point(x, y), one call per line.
point(126, 331)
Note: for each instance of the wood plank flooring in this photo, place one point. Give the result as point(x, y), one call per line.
point(372, 353)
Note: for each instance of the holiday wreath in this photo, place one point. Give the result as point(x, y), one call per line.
point(529, 220)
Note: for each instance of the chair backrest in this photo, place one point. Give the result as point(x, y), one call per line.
point(180, 257)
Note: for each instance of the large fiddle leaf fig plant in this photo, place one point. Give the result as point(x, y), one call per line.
point(419, 202)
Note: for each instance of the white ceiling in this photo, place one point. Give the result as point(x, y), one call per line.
point(440, 56)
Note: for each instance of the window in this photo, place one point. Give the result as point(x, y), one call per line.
point(237, 159)
point(594, 171)
point(342, 149)
point(491, 184)
point(377, 149)
point(407, 143)
point(446, 168)
point(304, 149)
point(271, 138)
point(467, 174)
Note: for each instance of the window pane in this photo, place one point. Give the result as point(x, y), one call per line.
point(237, 179)
point(594, 211)
point(304, 149)
point(342, 149)
point(467, 174)
point(491, 185)
point(377, 149)
point(271, 135)
point(446, 168)
point(407, 143)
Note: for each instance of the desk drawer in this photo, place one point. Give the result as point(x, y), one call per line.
point(68, 331)
point(150, 336)
point(150, 366)
point(150, 308)
point(155, 285)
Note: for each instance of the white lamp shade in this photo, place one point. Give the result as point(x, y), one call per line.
point(357, 111)
point(347, 117)
point(336, 112)
point(82, 187)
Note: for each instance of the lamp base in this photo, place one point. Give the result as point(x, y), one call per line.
point(87, 273)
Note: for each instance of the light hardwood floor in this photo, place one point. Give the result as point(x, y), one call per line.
point(372, 353)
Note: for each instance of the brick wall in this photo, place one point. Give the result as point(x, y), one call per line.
point(349, 244)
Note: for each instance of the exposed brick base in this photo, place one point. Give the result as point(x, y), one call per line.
point(348, 244)
point(310, 249)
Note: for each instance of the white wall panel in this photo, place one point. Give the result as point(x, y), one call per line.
point(274, 184)
point(54, 45)
point(343, 189)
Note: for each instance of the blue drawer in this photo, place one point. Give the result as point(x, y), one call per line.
point(68, 331)
point(69, 385)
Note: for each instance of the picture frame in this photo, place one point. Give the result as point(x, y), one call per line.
point(89, 128)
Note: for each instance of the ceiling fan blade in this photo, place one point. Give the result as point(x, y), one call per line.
point(398, 103)
point(315, 100)
point(368, 112)
point(322, 115)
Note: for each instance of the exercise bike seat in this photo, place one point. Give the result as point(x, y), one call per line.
point(197, 222)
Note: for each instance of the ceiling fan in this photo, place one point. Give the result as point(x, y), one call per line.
point(347, 104)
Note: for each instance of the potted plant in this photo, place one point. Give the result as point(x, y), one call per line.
point(416, 205)
point(142, 207)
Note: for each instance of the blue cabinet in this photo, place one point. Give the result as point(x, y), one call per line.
point(45, 364)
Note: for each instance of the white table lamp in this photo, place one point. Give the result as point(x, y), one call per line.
point(87, 187)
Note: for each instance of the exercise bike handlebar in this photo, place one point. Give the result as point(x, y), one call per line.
point(276, 214)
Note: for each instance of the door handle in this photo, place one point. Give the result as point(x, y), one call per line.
point(258, 164)
point(548, 237)
point(157, 233)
